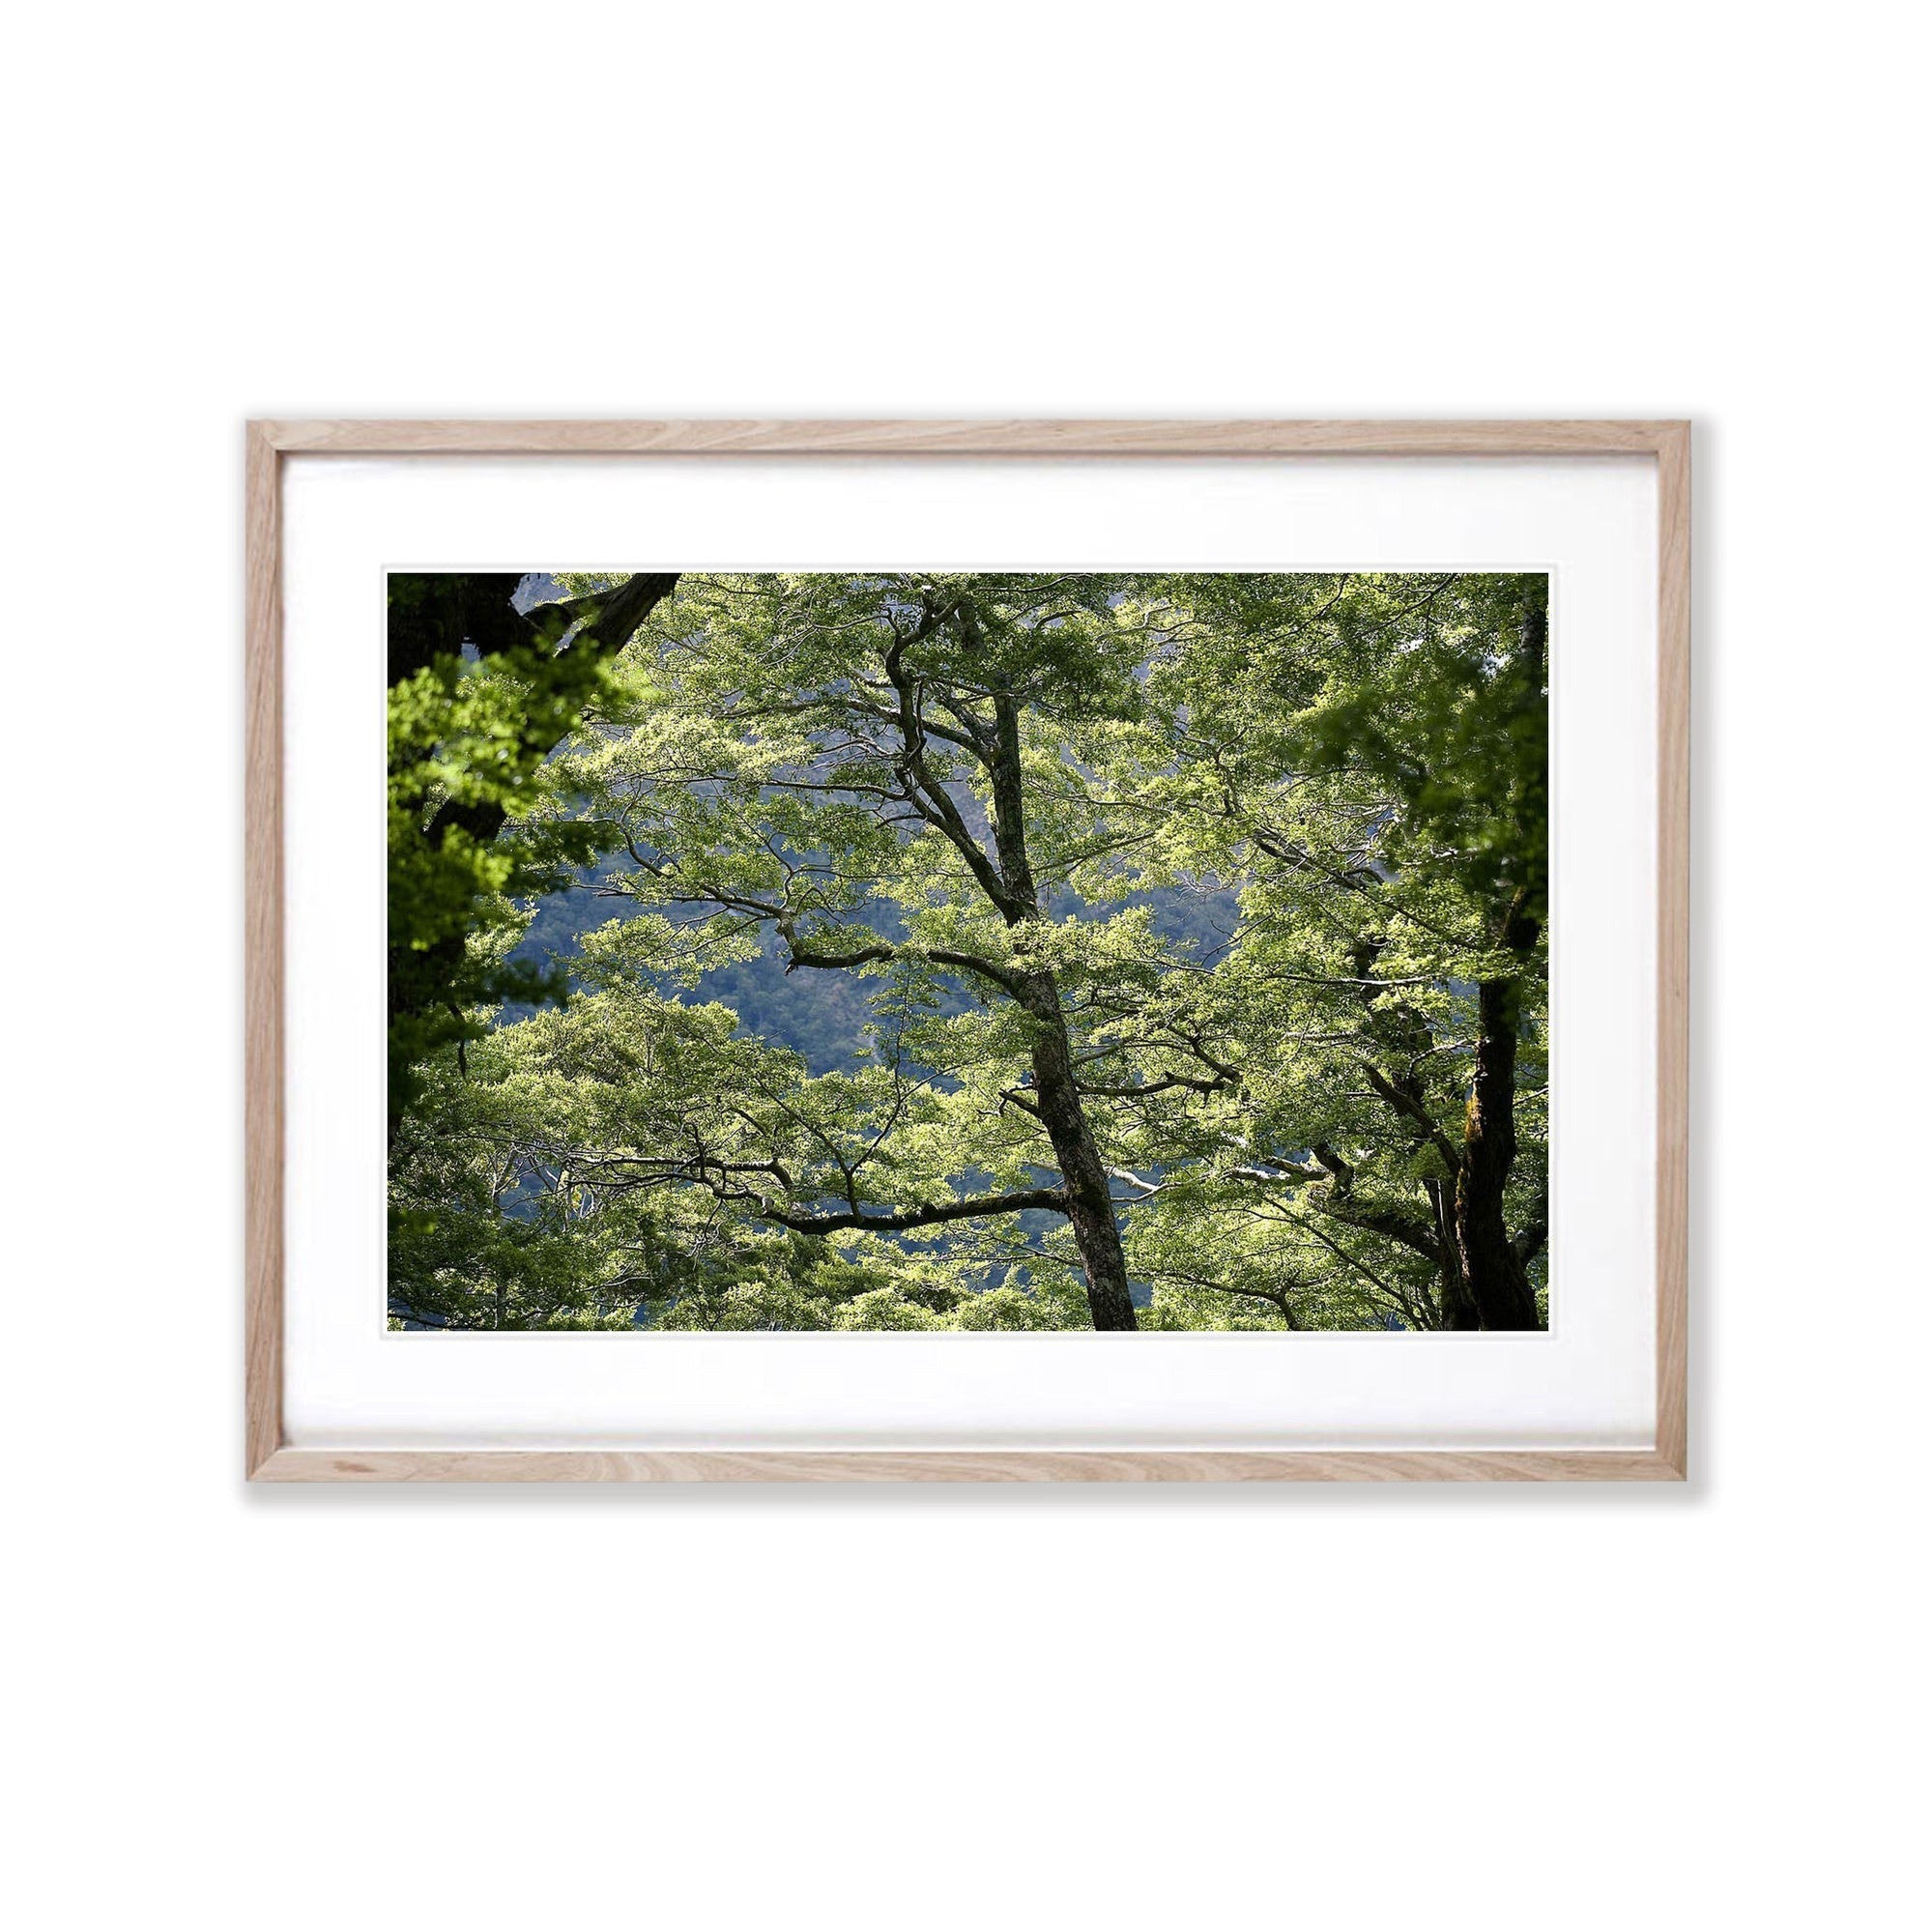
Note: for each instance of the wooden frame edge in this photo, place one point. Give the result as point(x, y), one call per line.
point(262, 861)
point(268, 1458)
point(976, 1465)
point(1673, 946)
point(953, 437)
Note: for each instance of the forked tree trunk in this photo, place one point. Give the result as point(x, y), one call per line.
point(1492, 1266)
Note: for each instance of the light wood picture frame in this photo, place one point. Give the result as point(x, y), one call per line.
point(271, 1457)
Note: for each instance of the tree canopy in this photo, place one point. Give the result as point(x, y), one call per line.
point(1188, 932)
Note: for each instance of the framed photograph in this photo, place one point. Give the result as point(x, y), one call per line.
point(967, 951)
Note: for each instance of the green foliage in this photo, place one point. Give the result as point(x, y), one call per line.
point(467, 749)
point(1277, 826)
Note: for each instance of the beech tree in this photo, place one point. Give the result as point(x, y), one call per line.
point(1201, 921)
point(1368, 754)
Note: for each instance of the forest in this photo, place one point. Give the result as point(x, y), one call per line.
point(943, 950)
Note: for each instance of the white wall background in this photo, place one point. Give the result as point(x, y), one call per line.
point(1337, 1709)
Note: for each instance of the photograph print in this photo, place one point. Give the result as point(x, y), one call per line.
point(935, 950)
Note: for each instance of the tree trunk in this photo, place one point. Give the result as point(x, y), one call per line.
point(1090, 1201)
point(1497, 1281)
point(1457, 1304)
point(1062, 1113)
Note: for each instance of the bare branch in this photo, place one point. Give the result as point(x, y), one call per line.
point(925, 1216)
